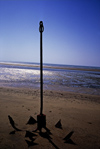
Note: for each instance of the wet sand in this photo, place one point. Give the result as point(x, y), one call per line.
point(78, 112)
point(52, 67)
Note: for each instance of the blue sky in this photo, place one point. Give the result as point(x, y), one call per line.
point(71, 31)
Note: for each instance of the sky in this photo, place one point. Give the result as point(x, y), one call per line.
point(71, 31)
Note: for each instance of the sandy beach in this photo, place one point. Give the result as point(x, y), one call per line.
point(78, 112)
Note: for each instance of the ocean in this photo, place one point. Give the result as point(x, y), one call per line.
point(81, 79)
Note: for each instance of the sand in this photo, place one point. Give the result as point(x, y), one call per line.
point(52, 67)
point(78, 112)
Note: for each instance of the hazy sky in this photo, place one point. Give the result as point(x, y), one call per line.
point(71, 31)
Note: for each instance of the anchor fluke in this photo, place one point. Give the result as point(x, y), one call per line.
point(69, 135)
point(13, 123)
point(68, 140)
point(30, 135)
point(30, 143)
point(58, 124)
point(31, 121)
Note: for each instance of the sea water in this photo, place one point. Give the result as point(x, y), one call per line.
point(54, 77)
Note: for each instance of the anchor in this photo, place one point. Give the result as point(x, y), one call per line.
point(41, 118)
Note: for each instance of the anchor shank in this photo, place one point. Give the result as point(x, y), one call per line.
point(41, 75)
point(41, 29)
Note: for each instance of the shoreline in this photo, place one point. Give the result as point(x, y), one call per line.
point(79, 90)
point(51, 67)
point(80, 96)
